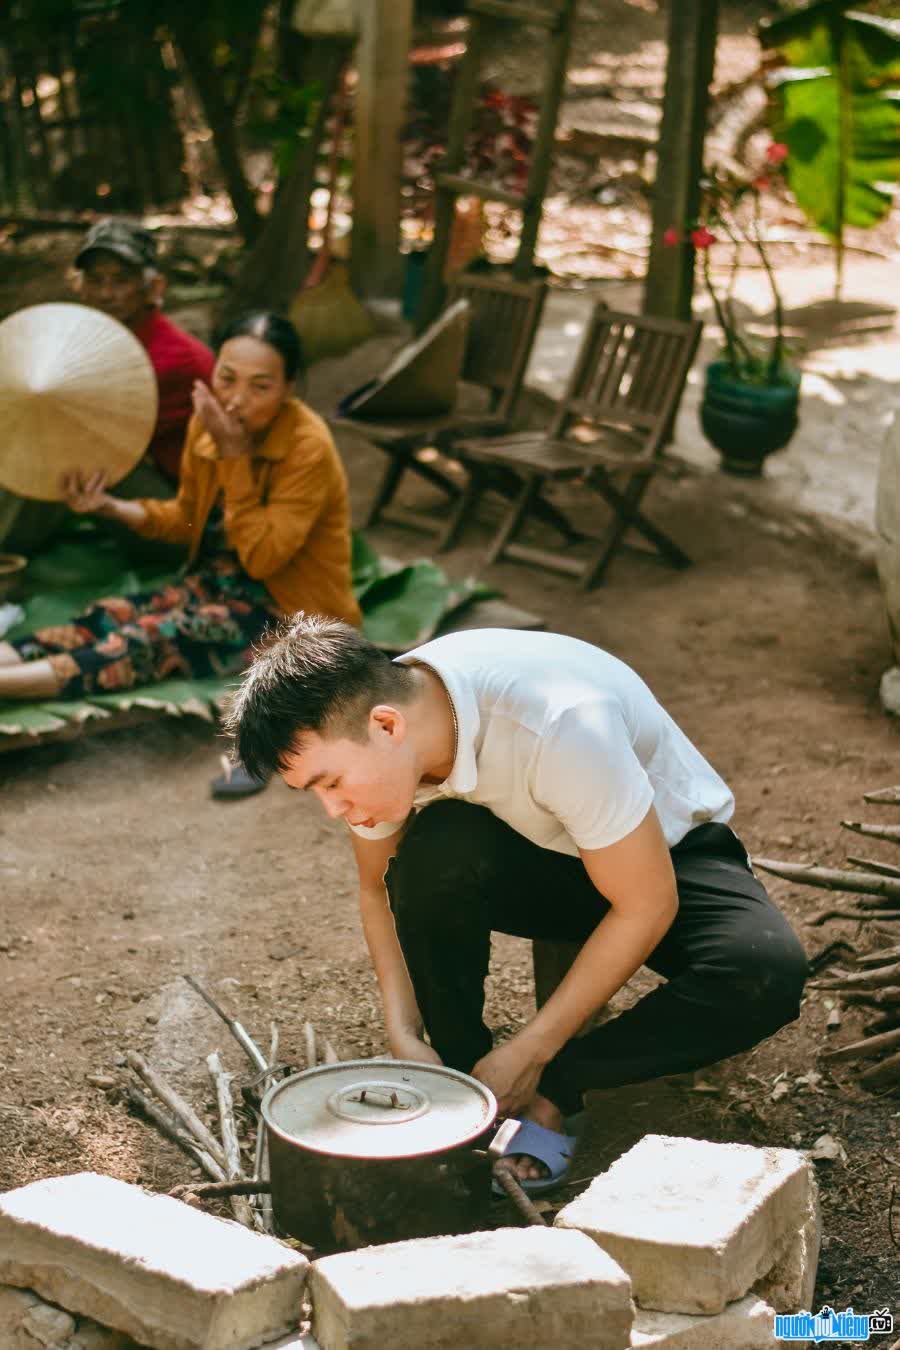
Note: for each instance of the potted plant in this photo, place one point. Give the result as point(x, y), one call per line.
point(751, 395)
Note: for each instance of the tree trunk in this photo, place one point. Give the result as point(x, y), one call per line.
point(195, 50)
point(275, 267)
point(668, 289)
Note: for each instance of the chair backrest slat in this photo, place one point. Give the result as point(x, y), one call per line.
point(630, 373)
point(503, 320)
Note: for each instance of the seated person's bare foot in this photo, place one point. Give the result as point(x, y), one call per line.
point(8, 655)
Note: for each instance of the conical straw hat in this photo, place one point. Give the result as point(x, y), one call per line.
point(77, 391)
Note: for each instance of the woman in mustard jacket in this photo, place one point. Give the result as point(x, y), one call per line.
point(263, 511)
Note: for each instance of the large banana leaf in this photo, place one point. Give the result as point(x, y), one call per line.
point(837, 106)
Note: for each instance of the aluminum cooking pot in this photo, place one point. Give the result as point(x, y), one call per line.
point(378, 1150)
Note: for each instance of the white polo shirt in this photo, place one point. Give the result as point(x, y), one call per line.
point(564, 742)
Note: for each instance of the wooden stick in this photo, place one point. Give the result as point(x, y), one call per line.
point(219, 1190)
point(878, 958)
point(889, 796)
point(240, 1207)
point(877, 978)
point(331, 1056)
point(875, 998)
point(504, 1174)
point(244, 1040)
point(864, 1049)
point(170, 1130)
point(870, 865)
point(891, 832)
point(309, 1035)
point(880, 1075)
point(888, 1021)
point(261, 1159)
point(832, 879)
point(865, 914)
point(181, 1109)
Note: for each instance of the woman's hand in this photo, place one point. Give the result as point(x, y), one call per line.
point(86, 494)
point(226, 430)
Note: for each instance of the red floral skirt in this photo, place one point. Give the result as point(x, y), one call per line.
point(205, 624)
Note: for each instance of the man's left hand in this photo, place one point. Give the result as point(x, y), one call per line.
point(226, 430)
point(512, 1074)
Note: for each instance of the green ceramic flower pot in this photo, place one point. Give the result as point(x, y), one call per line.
point(746, 422)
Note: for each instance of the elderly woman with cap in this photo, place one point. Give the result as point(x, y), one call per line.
point(263, 511)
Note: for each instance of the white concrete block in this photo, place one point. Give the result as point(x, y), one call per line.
point(790, 1284)
point(740, 1326)
point(694, 1223)
point(513, 1287)
point(163, 1272)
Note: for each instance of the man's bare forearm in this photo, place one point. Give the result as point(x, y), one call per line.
point(401, 1011)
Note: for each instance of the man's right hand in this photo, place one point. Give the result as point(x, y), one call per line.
point(86, 494)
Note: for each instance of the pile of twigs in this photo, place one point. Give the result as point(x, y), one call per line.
point(875, 981)
point(220, 1158)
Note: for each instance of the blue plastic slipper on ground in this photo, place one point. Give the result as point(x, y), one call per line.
point(235, 781)
point(549, 1147)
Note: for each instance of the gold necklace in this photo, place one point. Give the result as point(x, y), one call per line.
point(455, 728)
point(443, 685)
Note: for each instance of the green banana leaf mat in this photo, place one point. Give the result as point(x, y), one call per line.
point(403, 605)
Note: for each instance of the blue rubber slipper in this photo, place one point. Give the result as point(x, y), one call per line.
point(235, 781)
point(549, 1147)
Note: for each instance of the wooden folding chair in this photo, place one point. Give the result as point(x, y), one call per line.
point(503, 319)
point(613, 421)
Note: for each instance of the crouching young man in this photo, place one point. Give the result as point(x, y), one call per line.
point(526, 783)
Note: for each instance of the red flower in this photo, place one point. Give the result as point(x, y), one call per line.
point(761, 183)
point(672, 236)
point(702, 238)
point(777, 152)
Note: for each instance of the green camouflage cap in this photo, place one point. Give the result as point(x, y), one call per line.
point(125, 238)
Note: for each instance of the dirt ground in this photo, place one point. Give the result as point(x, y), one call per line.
point(118, 874)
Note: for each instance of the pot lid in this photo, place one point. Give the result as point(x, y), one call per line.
point(379, 1108)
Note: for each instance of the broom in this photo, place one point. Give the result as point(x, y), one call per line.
point(326, 313)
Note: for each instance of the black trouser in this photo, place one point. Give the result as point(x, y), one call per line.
point(734, 968)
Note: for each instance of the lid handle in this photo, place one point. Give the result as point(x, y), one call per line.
point(379, 1102)
point(391, 1101)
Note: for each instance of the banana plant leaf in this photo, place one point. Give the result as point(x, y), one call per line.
point(837, 102)
point(406, 607)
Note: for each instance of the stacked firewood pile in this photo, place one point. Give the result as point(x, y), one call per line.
point(220, 1158)
point(874, 980)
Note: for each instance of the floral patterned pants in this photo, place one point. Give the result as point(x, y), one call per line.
point(203, 625)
